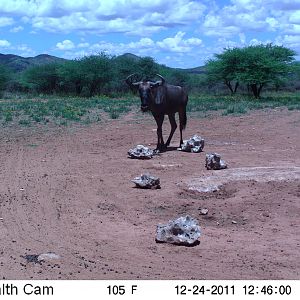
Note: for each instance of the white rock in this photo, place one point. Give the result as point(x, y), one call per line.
point(48, 256)
point(141, 152)
point(204, 211)
point(213, 161)
point(146, 181)
point(194, 144)
point(182, 231)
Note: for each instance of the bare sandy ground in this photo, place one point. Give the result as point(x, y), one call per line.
point(69, 192)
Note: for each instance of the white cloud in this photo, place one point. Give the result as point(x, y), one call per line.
point(65, 45)
point(25, 50)
point(17, 29)
point(194, 42)
point(132, 16)
point(5, 21)
point(4, 43)
point(212, 21)
point(295, 17)
point(223, 43)
point(90, 24)
point(242, 37)
point(273, 23)
point(285, 5)
point(242, 16)
point(143, 47)
point(24, 7)
point(255, 42)
point(293, 29)
point(83, 45)
point(178, 44)
point(214, 26)
point(291, 41)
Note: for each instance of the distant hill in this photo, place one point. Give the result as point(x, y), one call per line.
point(196, 70)
point(18, 63)
point(131, 56)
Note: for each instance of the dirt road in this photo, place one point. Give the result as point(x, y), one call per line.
point(69, 192)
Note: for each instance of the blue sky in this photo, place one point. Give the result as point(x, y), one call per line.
point(179, 33)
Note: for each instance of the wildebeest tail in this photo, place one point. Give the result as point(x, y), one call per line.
point(184, 117)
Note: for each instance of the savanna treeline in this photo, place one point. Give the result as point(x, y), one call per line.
point(247, 70)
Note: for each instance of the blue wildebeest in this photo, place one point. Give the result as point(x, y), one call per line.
point(162, 99)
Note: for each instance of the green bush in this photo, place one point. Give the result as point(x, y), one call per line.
point(4, 78)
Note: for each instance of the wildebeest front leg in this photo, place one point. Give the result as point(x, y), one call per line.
point(173, 128)
point(160, 141)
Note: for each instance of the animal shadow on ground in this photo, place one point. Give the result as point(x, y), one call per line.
point(170, 149)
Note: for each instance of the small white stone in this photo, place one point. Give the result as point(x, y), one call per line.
point(204, 211)
point(48, 256)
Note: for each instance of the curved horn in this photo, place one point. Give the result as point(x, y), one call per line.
point(129, 81)
point(162, 79)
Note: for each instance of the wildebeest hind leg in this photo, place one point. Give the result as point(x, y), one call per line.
point(182, 121)
point(173, 128)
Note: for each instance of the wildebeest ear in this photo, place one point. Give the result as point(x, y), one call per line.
point(159, 97)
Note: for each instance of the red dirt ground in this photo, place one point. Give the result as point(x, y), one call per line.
point(69, 192)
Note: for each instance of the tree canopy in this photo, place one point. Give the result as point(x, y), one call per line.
point(43, 78)
point(255, 66)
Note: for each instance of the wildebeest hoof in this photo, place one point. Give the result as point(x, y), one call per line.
point(162, 148)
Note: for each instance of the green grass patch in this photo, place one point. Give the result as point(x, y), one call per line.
point(25, 122)
point(65, 110)
point(236, 108)
point(8, 116)
point(241, 104)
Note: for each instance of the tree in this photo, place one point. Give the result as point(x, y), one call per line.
point(147, 68)
point(4, 77)
point(264, 64)
point(224, 68)
point(71, 76)
point(181, 78)
point(294, 78)
point(123, 66)
point(255, 66)
point(143, 68)
point(43, 78)
point(98, 72)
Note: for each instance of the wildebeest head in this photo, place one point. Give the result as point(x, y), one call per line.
point(147, 90)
